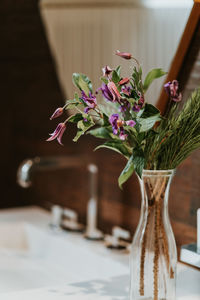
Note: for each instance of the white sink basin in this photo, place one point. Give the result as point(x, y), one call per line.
point(31, 257)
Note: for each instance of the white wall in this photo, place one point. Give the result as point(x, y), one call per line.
point(84, 37)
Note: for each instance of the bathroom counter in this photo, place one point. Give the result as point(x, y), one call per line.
point(110, 285)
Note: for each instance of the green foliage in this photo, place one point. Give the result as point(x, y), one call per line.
point(153, 74)
point(117, 146)
point(177, 136)
point(105, 80)
point(84, 122)
point(82, 82)
point(101, 133)
point(126, 172)
point(115, 77)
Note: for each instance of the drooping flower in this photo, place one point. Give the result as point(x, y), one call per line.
point(106, 92)
point(106, 70)
point(58, 133)
point(118, 125)
point(114, 91)
point(57, 113)
point(90, 100)
point(124, 81)
point(125, 55)
point(171, 89)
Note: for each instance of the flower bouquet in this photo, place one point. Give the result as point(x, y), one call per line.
point(154, 145)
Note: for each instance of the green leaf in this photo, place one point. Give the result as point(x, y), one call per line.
point(101, 133)
point(76, 118)
point(105, 80)
point(118, 70)
point(147, 123)
point(126, 173)
point(153, 74)
point(138, 161)
point(78, 135)
point(150, 110)
point(115, 77)
point(82, 82)
point(116, 146)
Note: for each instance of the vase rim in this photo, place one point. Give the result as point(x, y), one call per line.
point(169, 172)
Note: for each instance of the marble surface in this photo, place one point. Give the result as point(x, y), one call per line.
point(42, 268)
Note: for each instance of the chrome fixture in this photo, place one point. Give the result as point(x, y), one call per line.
point(29, 167)
point(190, 253)
point(119, 239)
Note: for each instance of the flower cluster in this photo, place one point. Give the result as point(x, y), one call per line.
point(124, 120)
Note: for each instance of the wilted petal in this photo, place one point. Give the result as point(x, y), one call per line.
point(59, 138)
point(126, 90)
point(106, 93)
point(57, 113)
point(58, 132)
point(114, 91)
point(124, 81)
point(90, 100)
point(106, 70)
point(125, 55)
point(171, 89)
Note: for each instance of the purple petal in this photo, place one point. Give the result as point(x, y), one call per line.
point(61, 134)
point(130, 123)
point(56, 132)
point(58, 112)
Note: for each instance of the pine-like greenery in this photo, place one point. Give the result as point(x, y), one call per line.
point(176, 137)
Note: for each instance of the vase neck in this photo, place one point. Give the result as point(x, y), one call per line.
point(155, 186)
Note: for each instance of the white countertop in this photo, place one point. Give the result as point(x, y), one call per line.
point(108, 288)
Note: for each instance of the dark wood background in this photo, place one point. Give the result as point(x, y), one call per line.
point(29, 93)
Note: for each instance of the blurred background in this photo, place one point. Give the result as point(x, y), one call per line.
point(42, 44)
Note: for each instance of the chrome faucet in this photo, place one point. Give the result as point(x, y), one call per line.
point(29, 167)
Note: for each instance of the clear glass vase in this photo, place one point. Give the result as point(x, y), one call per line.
point(154, 254)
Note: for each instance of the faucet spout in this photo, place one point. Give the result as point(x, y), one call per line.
point(29, 166)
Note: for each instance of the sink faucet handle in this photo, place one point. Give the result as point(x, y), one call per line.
point(70, 214)
point(56, 211)
point(120, 233)
point(114, 241)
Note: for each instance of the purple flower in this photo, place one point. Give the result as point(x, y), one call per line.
point(106, 70)
point(124, 106)
point(131, 123)
point(125, 55)
point(57, 113)
point(90, 100)
point(106, 92)
point(122, 134)
point(114, 121)
point(171, 89)
point(136, 108)
point(114, 91)
point(126, 90)
point(58, 133)
point(118, 125)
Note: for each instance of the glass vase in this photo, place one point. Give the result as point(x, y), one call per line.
point(154, 254)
